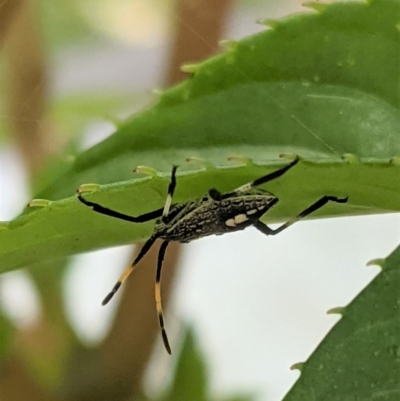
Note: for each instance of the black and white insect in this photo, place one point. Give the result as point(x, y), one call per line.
point(215, 213)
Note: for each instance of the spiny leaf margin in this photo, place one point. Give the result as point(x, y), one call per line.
point(216, 79)
point(360, 358)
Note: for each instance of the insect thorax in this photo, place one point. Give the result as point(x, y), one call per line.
point(236, 211)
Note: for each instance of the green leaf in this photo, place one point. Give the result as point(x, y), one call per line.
point(73, 112)
point(360, 357)
point(322, 85)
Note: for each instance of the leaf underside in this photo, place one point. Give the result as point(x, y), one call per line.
point(328, 95)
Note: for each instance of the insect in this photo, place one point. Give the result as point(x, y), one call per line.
point(216, 213)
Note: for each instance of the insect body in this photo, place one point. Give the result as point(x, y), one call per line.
point(207, 216)
point(215, 213)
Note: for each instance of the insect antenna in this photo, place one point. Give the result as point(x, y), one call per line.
point(268, 177)
point(146, 247)
point(157, 291)
point(109, 212)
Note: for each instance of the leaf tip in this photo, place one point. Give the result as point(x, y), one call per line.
point(377, 262)
point(190, 68)
point(240, 159)
point(339, 310)
point(203, 162)
point(316, 6)
point(157, 91)
point(228, 44)
point(291, 157)
point(395, 160)
point(350, 158)
point(145, 170)
point(195, 159)
point(269, 22)
point(88, 188)
point(298, 366)
point(39, 203)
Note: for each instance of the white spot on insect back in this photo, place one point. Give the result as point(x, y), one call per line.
point(250, 212)
point(230, 223)
point(240, 218)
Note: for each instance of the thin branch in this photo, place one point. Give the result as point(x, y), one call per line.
point(8, 11)
point(27, 89)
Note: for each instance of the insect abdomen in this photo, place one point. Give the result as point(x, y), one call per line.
point(218, 217)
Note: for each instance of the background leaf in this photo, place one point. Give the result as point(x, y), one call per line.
point(360, 358)
point(190, 379)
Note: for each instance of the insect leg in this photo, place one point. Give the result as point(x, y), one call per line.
point(268, 177)
point(158, 295)
point(215, 194)
point(108, 212)
point(315, 206)
point(146, 247)
point(170, 194)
